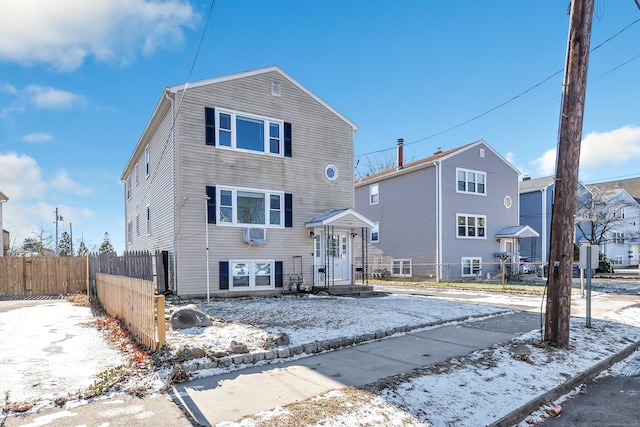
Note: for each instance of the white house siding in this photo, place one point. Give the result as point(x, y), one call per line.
point(621, 252)
point(406, 213)
point(501, 181)
point(156, 190)
point(319, 138)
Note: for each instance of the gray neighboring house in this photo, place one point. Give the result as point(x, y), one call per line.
point(245, 182)
point(452, 216)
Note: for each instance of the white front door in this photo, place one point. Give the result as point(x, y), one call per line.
point(338, 256)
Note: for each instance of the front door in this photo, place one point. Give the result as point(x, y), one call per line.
point(337, 257)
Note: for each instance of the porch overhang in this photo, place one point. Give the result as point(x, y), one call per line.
point(518, 232)
point(342, 218)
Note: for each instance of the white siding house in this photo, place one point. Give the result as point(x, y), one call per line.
point(246, 181)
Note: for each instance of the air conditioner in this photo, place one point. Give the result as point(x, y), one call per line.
point(255, 236)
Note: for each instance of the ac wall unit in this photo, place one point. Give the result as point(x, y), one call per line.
point(255, 236)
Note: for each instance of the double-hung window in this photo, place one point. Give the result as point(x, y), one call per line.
point(241, 206)
point(471, 226)
point(375, 233)
point(471, 266)
point(129, 232)
point(470, 181)
point(247, 132)
point(374, 194)
point(129, 188)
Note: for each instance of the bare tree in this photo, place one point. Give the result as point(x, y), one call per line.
point(374, 165)
point(598, 212)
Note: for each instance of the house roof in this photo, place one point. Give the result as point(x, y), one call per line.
point(519, 231)
point(169, 92)
point(343, 218)
point(631, 185)
point(3, 198)
point(537, 184)
point(429, 161)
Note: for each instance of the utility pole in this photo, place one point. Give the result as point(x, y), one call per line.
point(58, 218)
point(556, 331)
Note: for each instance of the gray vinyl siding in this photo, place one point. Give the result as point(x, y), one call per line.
point(406, 213)
point(319, 138)
point(155, 191)
point(501, 181)
point(531, 214)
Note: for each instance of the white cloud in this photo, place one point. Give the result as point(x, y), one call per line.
point(63, 33)
point(48, 98)
point(546, 164)
point(610, 148)
point(38, 137)
point(30, 191)
point(599, 149)
point(41, 98)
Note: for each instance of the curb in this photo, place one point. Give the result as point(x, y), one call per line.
point(242, 360)
point(521, 413)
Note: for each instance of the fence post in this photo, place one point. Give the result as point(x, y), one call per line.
point(162, 339)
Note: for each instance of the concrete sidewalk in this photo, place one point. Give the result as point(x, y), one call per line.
point(231, 396)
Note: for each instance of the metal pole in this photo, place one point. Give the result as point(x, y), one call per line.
point(589, 286)
point(206, 238)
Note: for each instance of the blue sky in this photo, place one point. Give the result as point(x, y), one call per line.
point(79, 80)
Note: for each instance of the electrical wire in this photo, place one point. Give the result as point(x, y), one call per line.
point(511, 99)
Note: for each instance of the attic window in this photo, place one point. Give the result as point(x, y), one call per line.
point(482, 153)
point(275, 89)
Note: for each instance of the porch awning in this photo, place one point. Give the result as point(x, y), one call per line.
point(342, 218)
point(518, 231)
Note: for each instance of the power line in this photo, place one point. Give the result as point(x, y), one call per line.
point(511, 99)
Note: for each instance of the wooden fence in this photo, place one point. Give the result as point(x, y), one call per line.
point(134, 302)
point(42, 275)
point(135, 264)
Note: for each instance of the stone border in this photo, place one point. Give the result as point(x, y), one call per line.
point(238, 360)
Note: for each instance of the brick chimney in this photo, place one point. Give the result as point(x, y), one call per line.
point(400, 153)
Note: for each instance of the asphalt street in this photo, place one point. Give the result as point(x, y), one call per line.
point(605, 402)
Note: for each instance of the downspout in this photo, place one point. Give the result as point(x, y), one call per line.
point(438, 221)
point(175, 194)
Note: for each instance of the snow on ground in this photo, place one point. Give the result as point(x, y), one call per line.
point(311, 318)
point(474, 390)
point(466, 391)
point(51, 350)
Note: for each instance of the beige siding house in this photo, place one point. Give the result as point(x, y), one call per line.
point(246, 181)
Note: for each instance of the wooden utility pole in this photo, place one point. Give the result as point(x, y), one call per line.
point(556, 331)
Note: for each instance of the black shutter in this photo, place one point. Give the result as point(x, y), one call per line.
point(279, 275)
point(224, 275)
point(288, 210)
point(211, 205)
point(287, 139)
point(210, 126)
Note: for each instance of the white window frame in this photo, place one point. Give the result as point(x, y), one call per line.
point(147, 162)
point(617, 260)
point(402, 265)
point(128, 185)
point(374, 194)
point(618, 238)
point(129, 232)
point(375, 230)
point(148, 220)
point(267, 122)
point(252, 274)
point(234, 207)
point(475, 226)
point(137, 225)
point(470, 262)
point(135, 174)
point(467, 181)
